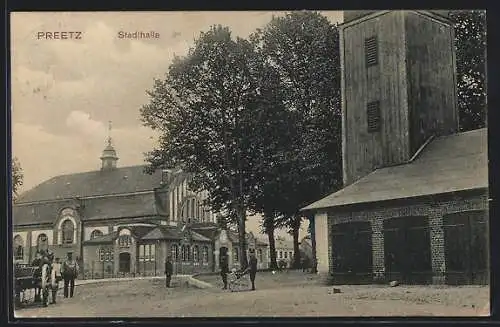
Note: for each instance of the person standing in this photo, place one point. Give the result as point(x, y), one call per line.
point(69, 274)
point(37, 275)
point(252, 267)
point(56, 277)
point(168, 271)
point(224, 268)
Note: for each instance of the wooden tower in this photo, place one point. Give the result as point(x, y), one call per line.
point(398, 86)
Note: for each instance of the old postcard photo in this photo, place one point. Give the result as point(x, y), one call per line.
point(249, 164)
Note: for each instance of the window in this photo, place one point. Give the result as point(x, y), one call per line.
point(175, 252)
point(371, 51)
point(96, 233)
point(205, 254)
point(185, 252)
point(106, 254)
point(290, 255)
point(68, 229)
point(286, 255)
point(236, 253)
point(124, 240)
point(18, 248)
point(147, 253)
point(281, 254)
point(260, 255)
point(141, 252)
point(196, 253)
point(42, 242)
point(373, 116)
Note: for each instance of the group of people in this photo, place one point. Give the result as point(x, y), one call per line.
point(50, 272)
point(251, 270)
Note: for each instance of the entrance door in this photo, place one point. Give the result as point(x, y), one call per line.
point(124, 260)
point(466, 247)
point(407, 250)
point(352, 252)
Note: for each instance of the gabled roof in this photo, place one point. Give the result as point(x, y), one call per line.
point(137, 232)
point(104, 239)
point(94, 183)
point(451, 163)
point(172, 233)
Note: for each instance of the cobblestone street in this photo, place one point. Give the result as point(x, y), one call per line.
point(284, 294)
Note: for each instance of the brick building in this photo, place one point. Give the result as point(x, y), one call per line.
point(414, 206)
point(120, 221)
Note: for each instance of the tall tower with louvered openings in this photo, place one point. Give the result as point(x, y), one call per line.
point(109, 157)
point(398, 86)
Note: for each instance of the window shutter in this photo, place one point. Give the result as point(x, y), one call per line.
point(371, 51)
point(373, 116)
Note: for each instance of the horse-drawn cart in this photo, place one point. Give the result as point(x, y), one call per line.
point(26, 284)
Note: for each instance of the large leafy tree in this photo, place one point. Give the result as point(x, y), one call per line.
point(17, 176)
point(470, 44)
point(207, 109)
point(303, 48)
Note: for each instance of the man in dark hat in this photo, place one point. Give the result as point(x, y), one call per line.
point(168, 270)
point(69, 273)
point(252, 267)
point(37, 275)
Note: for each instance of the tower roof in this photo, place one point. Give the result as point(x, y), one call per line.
point(350, 15)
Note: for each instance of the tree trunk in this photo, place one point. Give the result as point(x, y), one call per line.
point(272, 248)
point(312, 228)
point(296, 250)
point(242, 237)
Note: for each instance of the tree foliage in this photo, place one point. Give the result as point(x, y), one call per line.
point(17, 176)
point(303, 48)
point(470, 45)
point(212, 115)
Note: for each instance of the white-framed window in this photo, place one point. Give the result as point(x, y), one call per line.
point(106, 254)
point(141, 252)
point(259, 252)
point(290, 255)
point(205, 254)
point(286, 255)
point(124, 240)
point(185, 252)
point(152, 252)
point(196, 253)
point(95, 233)
point(174, 250)
point(18, 248)
point(67, 230)
point(147, 253)
point(281, 254)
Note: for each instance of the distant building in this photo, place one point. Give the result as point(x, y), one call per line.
point(284, 251)
point(414, 206)
point(122, 221)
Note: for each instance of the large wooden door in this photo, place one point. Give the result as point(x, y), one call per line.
point(466, 247)
point(352, 252)
point(407, 250)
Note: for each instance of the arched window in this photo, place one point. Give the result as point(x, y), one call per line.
point(67, 229)
point(124, 240)
point(174, 252)
point(95, 233)
point(42, 242)
point(196, 253)
point(18, 248)
point(236, 254)
point(205, 254)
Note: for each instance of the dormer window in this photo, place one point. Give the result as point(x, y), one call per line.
point(373, 116)
point(371, 51)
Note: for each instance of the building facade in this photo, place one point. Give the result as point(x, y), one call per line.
point(414, 206)
point(121, 221)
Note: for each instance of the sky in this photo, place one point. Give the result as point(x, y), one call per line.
point(65, 91)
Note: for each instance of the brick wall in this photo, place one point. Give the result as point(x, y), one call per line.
point(434, 209)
